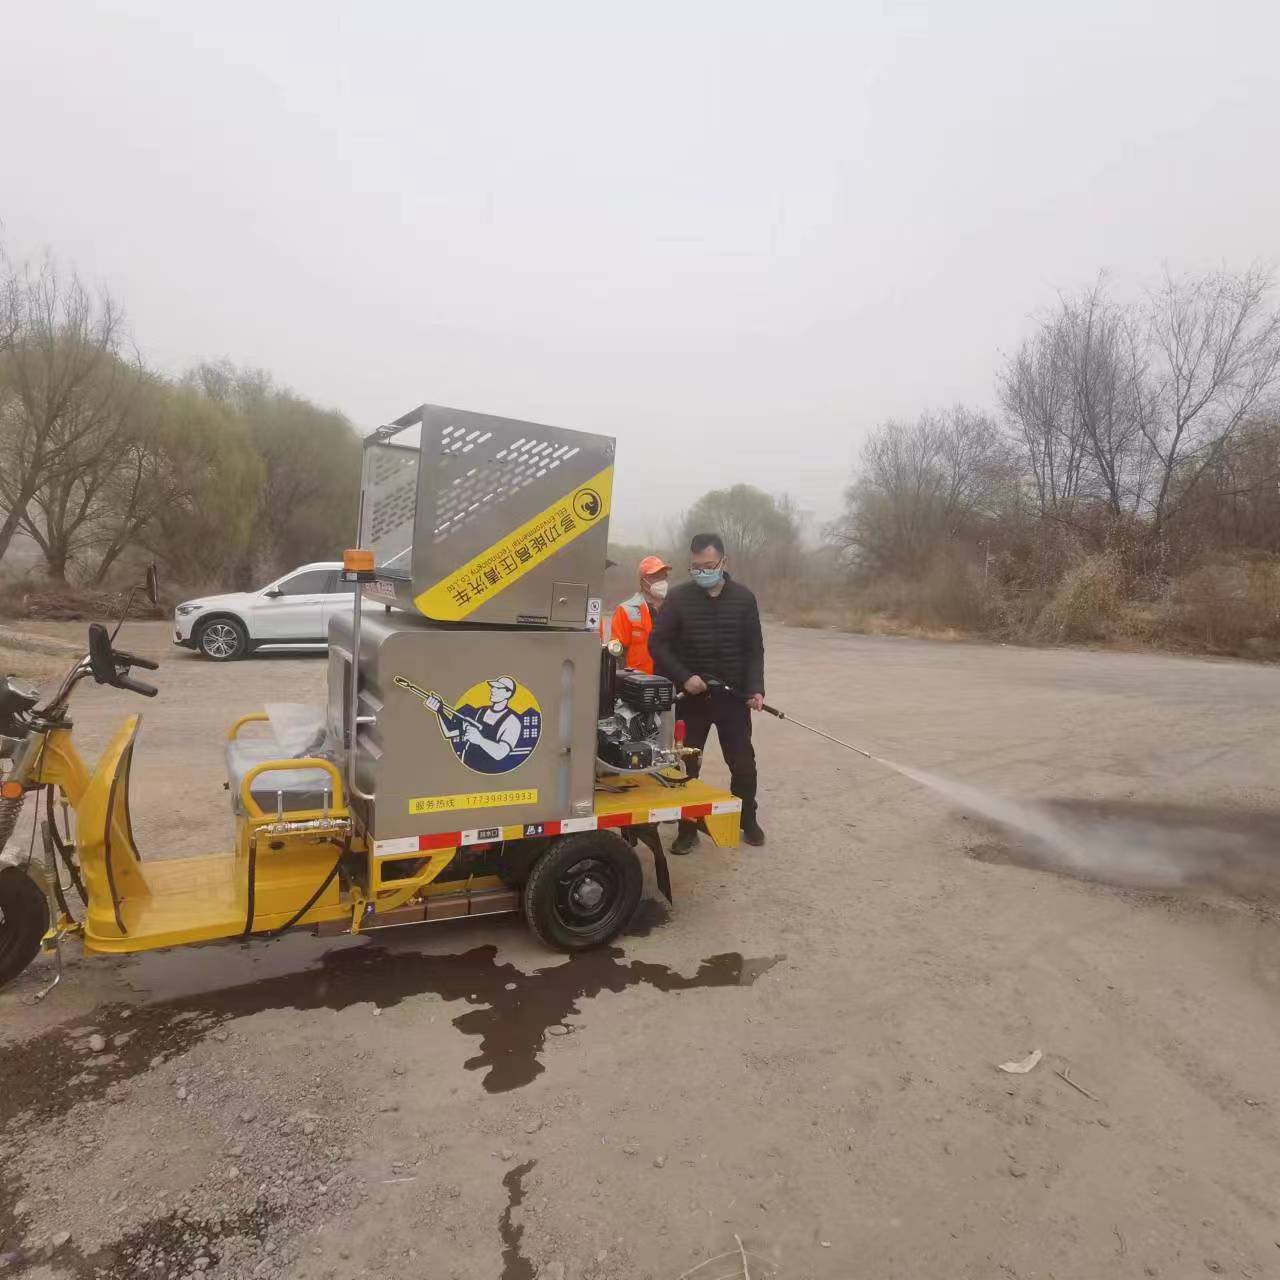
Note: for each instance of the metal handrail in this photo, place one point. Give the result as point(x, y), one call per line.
point(251, 806)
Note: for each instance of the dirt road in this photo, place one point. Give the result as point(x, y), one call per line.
point(803, 1055)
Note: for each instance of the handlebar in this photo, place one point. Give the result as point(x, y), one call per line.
point(111, 666)
point(136, 686)
point(132, 660)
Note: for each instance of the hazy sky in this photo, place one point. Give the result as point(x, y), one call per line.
point(733, 234)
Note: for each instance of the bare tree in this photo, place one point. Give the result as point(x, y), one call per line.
point(56, 379)
point(1216, 348)
point(66, 514)
point(921, 485)
point(759, 530)
point(1107, 369)
point(1076, 395)
point(1036, 392)
point(10, 309)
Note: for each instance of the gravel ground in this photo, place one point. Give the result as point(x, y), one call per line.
point(802, 1054)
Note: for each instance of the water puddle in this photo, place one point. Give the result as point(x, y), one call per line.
point(515, 1266)
point(510, 1013)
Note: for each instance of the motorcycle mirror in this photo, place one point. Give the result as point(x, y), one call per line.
point(100, 660)
point(153, 583)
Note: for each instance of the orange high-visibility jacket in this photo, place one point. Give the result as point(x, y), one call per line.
point(633, 624)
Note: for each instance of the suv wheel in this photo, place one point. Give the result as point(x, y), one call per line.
point(223, 639)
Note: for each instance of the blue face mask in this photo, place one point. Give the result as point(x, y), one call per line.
point(708, 579)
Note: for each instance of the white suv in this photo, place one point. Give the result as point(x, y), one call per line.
point(292, 612)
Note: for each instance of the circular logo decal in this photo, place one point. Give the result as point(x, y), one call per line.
point(587, 504)
point(494, 726)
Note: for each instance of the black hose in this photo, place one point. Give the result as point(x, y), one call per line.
point(59, 896)
point(64, 851)
point(107, 851)
point(252, 886)
point(311, 901)
point(293, 919)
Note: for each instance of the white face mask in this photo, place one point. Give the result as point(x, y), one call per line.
point(657, 590)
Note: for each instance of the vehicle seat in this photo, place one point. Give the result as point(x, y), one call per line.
point(296, 732)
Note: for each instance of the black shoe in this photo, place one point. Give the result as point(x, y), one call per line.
point(752, 833)
point(684, 843)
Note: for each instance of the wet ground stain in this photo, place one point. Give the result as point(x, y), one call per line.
point(511, 1014)
point(515, 1266)
point(161, 1247)
point(650, 915)
point(1141, 845)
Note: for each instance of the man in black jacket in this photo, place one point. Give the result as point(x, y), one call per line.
point(710, 629)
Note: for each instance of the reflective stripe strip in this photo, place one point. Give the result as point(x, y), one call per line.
point(564, 827)
point(665, 815)
point(390, 848)
point(449, 840)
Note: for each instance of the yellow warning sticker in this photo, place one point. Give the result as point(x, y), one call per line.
point(496, 568)
point(473, 800)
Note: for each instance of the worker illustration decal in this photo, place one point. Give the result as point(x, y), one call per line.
point(493, 728)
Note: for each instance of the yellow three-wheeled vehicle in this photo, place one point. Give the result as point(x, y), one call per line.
point(577, 881)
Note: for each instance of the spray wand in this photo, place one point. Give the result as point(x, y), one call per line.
point(713, 683)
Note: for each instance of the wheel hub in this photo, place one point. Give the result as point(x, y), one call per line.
point(220, 640)
point(589, 894)
point(586, 893)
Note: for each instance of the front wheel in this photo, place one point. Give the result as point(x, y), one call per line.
point(24, 920)
point(222, 639)
point(583, 891)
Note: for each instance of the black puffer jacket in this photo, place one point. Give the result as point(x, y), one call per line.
point(698, 634)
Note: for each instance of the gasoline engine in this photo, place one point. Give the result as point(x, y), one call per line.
point(636, 732)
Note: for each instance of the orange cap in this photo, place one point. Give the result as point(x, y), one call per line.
point(653, 564)
point(357, 560)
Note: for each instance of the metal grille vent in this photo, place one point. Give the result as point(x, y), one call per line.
point(391, 503)
point(492, 480)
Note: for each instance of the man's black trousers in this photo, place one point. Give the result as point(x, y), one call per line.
point(730, 716)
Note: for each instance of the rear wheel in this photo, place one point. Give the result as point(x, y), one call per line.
point(583, 891)
point(24, 920)
point(222, 639)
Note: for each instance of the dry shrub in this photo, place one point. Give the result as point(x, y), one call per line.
point(951, 599)
point(1088, 604)
point(955, 594)
point(56, 602)
point(1226, 607)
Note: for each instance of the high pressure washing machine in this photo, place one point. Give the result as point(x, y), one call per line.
point(494, 753)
